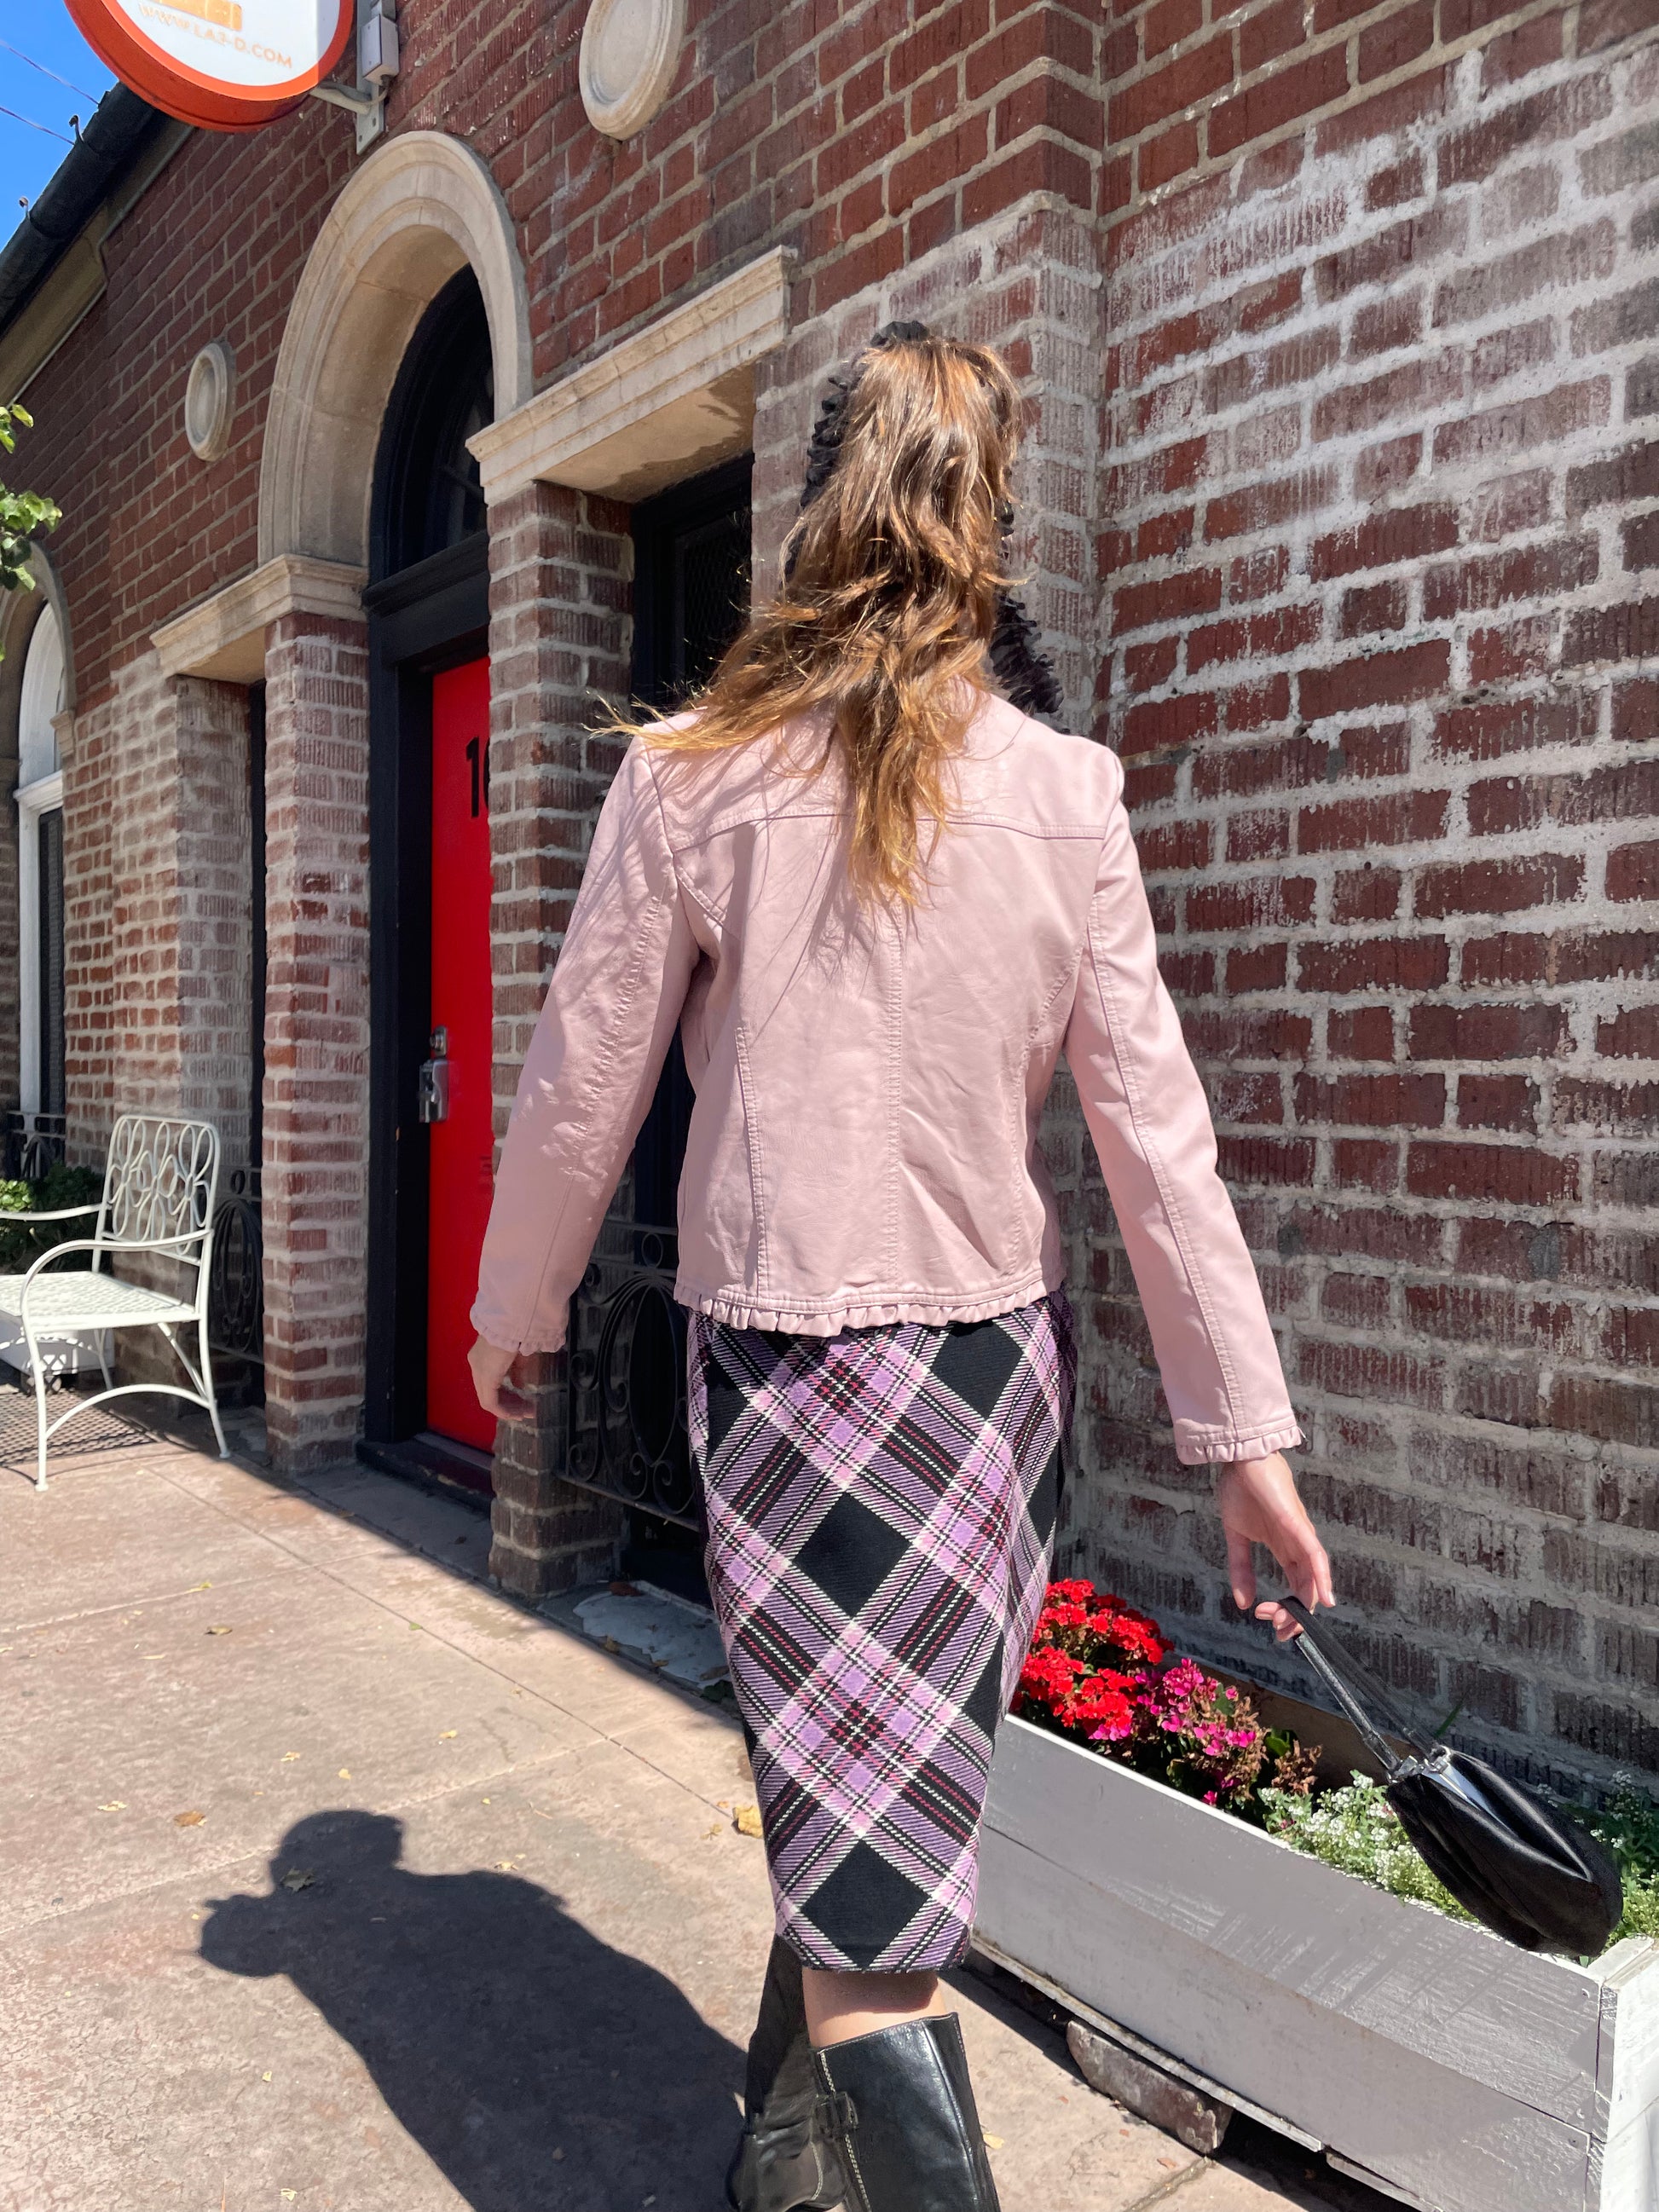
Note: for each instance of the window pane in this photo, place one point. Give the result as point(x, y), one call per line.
point(42, 697)
point(51, 962)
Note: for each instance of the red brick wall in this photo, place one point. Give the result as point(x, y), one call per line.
point(179, 940)
point(785, 127)
point(1379, 648)
point(316, 1088)
point(1349, 551)
point(561, 564)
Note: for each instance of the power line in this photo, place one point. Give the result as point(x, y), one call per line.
point(34, 126)
point(45, 71)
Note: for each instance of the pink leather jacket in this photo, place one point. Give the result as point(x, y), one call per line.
point(869, 1085)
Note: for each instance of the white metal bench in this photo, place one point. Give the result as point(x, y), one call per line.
point(159, 1188)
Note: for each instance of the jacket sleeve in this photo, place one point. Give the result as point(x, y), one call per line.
point(591, 1072)
point(1150, 1122)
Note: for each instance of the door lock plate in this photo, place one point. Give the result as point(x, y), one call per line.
point(433, 1096)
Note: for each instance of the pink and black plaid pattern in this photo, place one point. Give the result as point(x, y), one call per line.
point(881, 1510)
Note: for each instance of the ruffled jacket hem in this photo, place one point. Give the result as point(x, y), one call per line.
point(734, 1308)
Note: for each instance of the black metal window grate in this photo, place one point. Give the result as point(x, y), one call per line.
point(626, 1364)
point(51, 961)
point(711, 594)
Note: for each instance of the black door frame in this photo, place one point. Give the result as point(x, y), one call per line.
point(432, 616)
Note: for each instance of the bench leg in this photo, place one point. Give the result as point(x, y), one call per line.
point(211, 1389)
point(38, 1373)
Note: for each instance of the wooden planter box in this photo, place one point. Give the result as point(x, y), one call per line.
point(1421, 2054)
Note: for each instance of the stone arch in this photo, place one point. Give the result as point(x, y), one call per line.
point(20, 610)
point(419, 210)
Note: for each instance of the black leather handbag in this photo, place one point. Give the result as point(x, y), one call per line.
point(1510, 1858)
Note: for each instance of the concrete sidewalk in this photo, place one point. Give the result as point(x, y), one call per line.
point(333, 1880)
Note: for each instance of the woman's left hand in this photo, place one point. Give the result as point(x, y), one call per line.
point(1259, 1505)
point(490, 1367)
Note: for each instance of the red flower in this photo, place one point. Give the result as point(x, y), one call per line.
point(1046, 1677)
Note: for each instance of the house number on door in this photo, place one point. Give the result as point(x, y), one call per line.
point(478, 761)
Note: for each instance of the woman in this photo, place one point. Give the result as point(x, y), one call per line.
point(879, 901)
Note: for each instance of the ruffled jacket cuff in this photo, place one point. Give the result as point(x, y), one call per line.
point(1199, 1445)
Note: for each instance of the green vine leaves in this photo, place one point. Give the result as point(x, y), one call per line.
point(23, 515)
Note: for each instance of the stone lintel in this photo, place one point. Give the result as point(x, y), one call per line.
point(223, 636)
point(671, 400)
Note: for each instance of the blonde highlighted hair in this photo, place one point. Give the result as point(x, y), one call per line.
point(894, 588)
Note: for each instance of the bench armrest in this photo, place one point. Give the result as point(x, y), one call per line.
point(113, 1244)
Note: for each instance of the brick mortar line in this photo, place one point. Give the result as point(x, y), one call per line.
point(1211, 166)
point(1518, 16)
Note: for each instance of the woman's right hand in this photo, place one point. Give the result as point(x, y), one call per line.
point(490, 1368)
point(1259, 1505)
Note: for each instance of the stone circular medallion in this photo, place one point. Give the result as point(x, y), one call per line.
point(630, 51)
point(209, 396)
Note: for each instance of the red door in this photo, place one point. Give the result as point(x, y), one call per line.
point(462, 1007)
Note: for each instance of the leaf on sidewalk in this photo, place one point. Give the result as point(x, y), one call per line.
point(747, 1820)
point(298, 1878)
point(286, 1755)
point(196, 1586)
point(115, 1805)
point(992, 2143)
point(223, 1629)
point(188, 1819)
point(445, 1734)
point(345, 1774)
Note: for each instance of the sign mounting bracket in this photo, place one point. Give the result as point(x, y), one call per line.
point(377, 62)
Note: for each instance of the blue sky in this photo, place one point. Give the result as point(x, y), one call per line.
point(33, 39)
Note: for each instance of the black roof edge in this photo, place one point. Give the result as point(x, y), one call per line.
point(115, 132)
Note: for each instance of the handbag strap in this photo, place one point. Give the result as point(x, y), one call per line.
point(1349, 1683)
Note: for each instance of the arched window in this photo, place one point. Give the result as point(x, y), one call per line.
point(427, 496)
point(40, 872)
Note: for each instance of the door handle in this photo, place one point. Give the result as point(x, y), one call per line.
point(433, 1095)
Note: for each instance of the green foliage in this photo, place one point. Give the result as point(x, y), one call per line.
point(1628, 1824)
point(23, 515)
point(22, 1243)
point(1356, 1829)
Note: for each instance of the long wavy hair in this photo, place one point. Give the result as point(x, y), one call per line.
point(895, 614)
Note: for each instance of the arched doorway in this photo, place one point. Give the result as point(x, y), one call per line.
point(340, 1248)
point(431, 1088)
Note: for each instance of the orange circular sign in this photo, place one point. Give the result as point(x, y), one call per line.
point(222, 64)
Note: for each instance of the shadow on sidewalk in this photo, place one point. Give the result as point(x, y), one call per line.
point(540, 2069)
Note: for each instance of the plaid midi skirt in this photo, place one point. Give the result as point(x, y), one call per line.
point(881, 1510)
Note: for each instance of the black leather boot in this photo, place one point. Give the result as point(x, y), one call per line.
point(781, 2163)
point(900, 2107)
